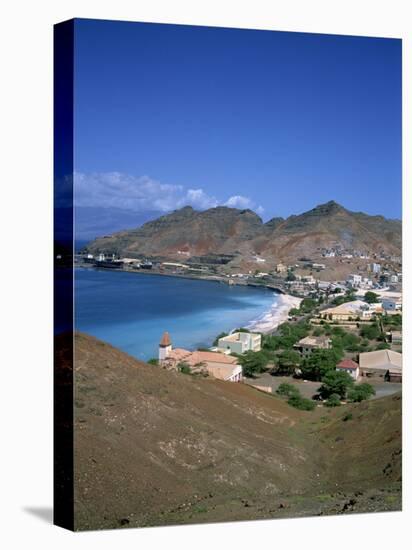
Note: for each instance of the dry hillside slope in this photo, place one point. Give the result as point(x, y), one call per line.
point(154, 447)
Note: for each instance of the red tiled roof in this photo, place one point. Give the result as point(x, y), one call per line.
point(347, 364)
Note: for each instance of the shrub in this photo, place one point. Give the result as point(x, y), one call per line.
point(361, 392)
point(301, 403)
point(153, 361)
point(333, 401)
point(347, 417)
point(287, 389)
point(184, 368)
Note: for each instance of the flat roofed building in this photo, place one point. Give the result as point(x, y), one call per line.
point(239, 342)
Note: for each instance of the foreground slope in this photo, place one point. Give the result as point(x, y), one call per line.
point(154, 447)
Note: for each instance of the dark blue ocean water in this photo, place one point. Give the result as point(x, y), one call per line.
point(132, 310)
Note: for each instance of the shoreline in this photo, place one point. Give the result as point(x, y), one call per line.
point(276, 315)
point(213, 278)
point(266, 323)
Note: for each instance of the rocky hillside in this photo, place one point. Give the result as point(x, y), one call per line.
point(155, 447)
point(187, 233)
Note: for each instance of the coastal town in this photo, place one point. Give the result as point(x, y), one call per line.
point(325, 343)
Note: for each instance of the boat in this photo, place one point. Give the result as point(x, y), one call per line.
point(110, 264)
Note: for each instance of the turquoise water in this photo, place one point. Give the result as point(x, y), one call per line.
point(132, 310)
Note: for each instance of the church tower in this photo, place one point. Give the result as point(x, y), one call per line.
point(165, 347)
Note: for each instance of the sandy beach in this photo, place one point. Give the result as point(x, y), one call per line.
point(277, 314)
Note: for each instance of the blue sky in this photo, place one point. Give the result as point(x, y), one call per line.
point(168, 115)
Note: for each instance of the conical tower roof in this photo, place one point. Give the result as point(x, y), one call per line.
point(165, 341)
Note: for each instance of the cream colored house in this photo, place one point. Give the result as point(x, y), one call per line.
point(216, 364)
point(350, 310)
point(239, 342)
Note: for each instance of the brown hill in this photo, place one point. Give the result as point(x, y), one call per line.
point(242, 233)
point(154, 447)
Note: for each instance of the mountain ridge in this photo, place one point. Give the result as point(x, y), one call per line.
point(224, 230)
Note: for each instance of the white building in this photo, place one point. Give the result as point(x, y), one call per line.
point(376, 268)
point(349, 366)
point(281, 268)
point(239, 342)
point(354, 280)
point(165, 347)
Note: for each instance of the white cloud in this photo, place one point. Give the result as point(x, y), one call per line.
point(142, 193)
point(237, 201)
point(198, 199)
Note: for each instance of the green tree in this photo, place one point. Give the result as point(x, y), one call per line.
point(290, 276)
point(361, 392)
point(371, 297)
point(287, 362)
point(153, 361)
point(319, 362)
point(370, 332)
point(307, 305)
point(290, 333)
point(345, 340)
point(348, 297)
point(270, 342)
point(253, 362)
point(335, 382)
